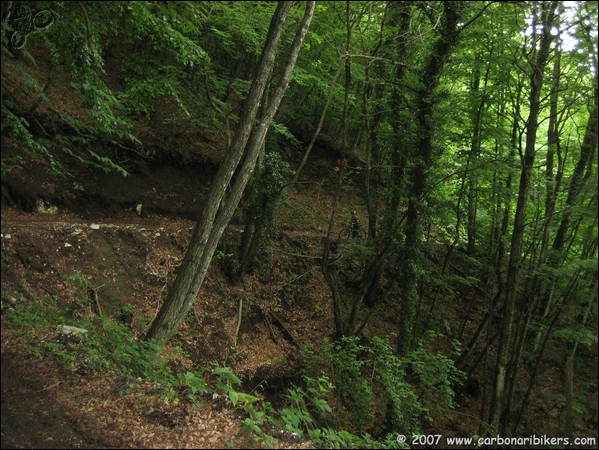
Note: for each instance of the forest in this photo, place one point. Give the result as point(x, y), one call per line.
point(334, 224)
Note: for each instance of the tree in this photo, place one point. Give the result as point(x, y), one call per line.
point(422, 160)
point(245, 146)
point(538, 60)
point(266, 192)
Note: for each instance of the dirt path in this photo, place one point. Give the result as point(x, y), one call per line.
point(26, 224)
point(31, 417)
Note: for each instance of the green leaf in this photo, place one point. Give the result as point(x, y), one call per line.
point(233, 396)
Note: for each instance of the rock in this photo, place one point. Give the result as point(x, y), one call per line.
point(42, 208)
point(10, 303)
point(68, 330)
point(67, 245)
point(94, 226)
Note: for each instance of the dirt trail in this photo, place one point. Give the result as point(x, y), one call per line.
point(31, 417)
point(29, 222)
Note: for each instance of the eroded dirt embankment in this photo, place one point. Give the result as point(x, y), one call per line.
point(131, 260)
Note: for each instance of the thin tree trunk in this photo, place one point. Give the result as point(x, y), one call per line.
point(328, 269)
point(429, 79)
point(218, 211)
point(500, 397)
point(587, 150)
point(475, 146)
point(319, 127)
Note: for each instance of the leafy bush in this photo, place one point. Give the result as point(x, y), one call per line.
point(349, 358)
point(437, 376)
point(37, 315)
point(298, 416)
point(226, 382)
point(195, 385)
point(373, 384)
point(141, 95)
point(17, 128)
point(268, 190)
point(262, 209)
point(132, 358)
point(404, 405)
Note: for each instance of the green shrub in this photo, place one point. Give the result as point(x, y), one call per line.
point(437, 376)
point(37, 315)
point(262, 209)
point(195, 385)
point(349, 358)
point(306, 403)
point(133, 358)
point(403, 403)
point(16, 128)
point(373, 386)
point(225, 384)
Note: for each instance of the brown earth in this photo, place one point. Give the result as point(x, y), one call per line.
point(131, 259)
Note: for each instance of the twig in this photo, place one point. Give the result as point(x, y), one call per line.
point(272, 331)
point(239, 314)
point(297, 255)
point(47, 388)
point(271, 316)
point(377, 58)
point(96, 299)
point(195, 313)
point(285, 328)
point(300, 276)
point(47, 290)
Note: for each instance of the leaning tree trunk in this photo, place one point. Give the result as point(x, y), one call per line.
point(323, 115)
point(218, 210)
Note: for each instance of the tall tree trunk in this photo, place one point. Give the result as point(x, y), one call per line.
point(217, 211)
point(500, 397)
point(553, 144)
point(552, 188)
point(469, 176)
point(328, 264)
point(478, 109)
point(423, 160)
point(587, 150)
point(400, 14)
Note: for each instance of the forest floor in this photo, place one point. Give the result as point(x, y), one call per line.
point(131, 259)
